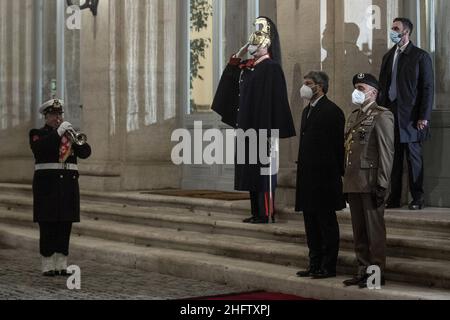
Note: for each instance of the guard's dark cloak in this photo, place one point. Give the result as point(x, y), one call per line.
point(254, 98)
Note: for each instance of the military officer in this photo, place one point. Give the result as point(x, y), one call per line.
point(56, 196)
point(369, 160)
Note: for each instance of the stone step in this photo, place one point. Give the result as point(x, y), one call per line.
point(401, 242)
point(420, 271)
point(220, 269)
point(430, 219)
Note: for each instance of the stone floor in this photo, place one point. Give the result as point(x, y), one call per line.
point(20, 279)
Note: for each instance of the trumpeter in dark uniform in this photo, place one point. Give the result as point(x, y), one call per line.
point(252, 95)
point(56, 194)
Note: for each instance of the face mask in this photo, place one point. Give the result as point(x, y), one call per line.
point(396, 37)
point(306, 92)
point(252, 49)
point(358, 97)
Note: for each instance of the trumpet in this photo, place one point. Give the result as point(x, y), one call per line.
point(76, 137)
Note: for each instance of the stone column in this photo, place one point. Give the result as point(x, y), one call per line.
point(300, 34)
point(437, 150)
point(127, 87)
point(16, 94)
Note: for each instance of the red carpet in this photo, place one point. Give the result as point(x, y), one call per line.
point(258, 296)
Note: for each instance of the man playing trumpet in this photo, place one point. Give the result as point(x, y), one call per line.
point(56, 193)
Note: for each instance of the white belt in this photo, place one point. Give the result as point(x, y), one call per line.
point(56, 166)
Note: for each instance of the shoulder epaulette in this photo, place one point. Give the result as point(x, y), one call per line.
point(382, 108)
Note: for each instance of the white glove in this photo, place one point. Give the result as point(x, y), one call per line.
point(243, 51)
point(64, 127)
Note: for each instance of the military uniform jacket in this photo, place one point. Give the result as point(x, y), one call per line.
point(369, 149)
point(254, 98)
point(56, 195)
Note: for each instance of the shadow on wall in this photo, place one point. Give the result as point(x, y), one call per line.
point(353, 61)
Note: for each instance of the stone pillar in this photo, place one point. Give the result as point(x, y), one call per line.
point(129, 130)
point(300, 34)
point(16, 93)
point(437, 150)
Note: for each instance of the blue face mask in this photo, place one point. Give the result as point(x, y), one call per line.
point(396, 37)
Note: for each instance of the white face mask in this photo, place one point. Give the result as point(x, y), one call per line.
point(252, 49)
point(358, 97)
point(306, 92)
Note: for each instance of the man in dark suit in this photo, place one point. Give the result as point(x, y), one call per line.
point(319, 175)
point(407, 89)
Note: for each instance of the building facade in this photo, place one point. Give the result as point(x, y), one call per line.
point(141, 69)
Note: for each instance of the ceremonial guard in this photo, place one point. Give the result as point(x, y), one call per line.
point(369, 160)
point(56, 194)
point(252, 95)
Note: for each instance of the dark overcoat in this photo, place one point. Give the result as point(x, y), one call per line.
point(415, 91)
point(56, 194)
point(254, 97)
point(321, 159)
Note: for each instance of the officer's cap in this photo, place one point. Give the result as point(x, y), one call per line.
point(366, 78)
point(52, 106)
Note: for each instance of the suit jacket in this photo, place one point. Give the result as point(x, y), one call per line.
point(369, 150)
point(415, 85)
point(321, 158)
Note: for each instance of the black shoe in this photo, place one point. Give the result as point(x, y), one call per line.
point(393, 205)
point(356, 280)
point(49, 273)
point(416, 205)
point(248, 220)
point(260, 221)
point(324, 274)
point(307, 273)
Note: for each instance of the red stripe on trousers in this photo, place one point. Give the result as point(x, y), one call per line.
point(265, 202)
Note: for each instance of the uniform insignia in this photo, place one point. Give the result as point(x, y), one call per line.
point(382, 108)
point(369, 121)
point(361, 76)
point(362, 135)
point(65, 149)
point(35, 138)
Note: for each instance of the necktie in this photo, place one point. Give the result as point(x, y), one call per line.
point(310, 110)
point(393, 88)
